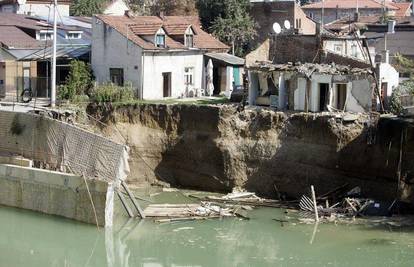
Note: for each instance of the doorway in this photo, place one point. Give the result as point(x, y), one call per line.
point(166, 84)
point(323, 96)
point(341, 94)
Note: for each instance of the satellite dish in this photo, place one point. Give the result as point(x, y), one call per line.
point(287, 25)
point(276, 28)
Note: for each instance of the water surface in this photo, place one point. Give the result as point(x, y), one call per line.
point(32, 239)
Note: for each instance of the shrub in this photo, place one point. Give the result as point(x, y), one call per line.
point(78, 82)
point(112, 93)
point(404, 89)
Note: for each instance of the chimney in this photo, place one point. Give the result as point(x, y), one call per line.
point(356, 16)
point(162, 15)
point(129, 14)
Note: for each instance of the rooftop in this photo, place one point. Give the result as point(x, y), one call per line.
point(309, 68)
point(350, 4)
point(149, 25)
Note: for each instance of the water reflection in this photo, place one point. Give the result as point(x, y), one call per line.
point(31, 239)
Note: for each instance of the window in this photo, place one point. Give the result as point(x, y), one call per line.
point(188, 76)
point(189, 40)
point(298, 23)
point(45, 35)
point(354, 51)
point(338, 48)
point(117, 76)
point(73, 35)
point(160, 40)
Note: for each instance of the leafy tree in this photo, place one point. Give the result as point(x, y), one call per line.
point(404, 65)
point(168, 7)
point(209, 10)
point(235, 26)
point(86, 7)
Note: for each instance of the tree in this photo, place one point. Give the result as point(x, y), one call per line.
point(209, 10)
point(86, 7)
point(235, 26)
point(78, 82)
point(168, 7)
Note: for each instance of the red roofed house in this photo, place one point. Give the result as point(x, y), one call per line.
point(160, 56)
point(34, 7)
point(338, 9)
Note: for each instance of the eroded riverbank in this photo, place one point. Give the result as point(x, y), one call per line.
point(217, 148)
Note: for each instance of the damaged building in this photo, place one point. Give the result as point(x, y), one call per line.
point(311, 87)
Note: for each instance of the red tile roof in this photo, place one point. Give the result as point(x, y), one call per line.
point(22, 21)
point(404, 9)
point(143, 25)
point(349, 4)
point(13, 37)
point(176, 29)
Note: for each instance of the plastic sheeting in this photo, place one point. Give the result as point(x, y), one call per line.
point(64, 146)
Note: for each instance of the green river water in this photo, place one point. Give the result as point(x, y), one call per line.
point(32, 239)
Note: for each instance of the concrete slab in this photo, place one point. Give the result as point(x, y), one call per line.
point(52, 193)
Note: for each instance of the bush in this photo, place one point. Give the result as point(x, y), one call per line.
point(78, 82)
point(406, 88)
point(112, 93)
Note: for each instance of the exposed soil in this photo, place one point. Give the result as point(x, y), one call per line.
point(217, 148)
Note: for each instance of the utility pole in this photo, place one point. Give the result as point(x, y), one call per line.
point(53, 91)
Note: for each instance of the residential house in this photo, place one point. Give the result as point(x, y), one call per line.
point(34, 7)
point(26, 52)
point(332, 10)
point(267, 13)
point(311, 87)
point(329, 72)
point(160, 56)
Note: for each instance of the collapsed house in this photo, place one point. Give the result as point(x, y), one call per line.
point(311, 87)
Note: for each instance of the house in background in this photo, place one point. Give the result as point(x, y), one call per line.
point(161, 56)
point(26, 52)
point(115, 8)
point(266, 13)
point(339, 9)
point(311, 87)
point(330, 72)
point(34, 7)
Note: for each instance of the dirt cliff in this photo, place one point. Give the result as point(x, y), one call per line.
point(217, 148)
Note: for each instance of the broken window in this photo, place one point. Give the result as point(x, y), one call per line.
point(354, 50)
point(117, 76)
point(323, 96)
point(338, 48)
point(341, 94)
point(188, 76)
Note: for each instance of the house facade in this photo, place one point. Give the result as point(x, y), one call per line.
point(159, 56)
point(115, 8)
point(26, 51)
point(34, 7)
point(266, 13)
point(311, 87)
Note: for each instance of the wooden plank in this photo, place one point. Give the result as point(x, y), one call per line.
point(134, 200)
point(125, 204)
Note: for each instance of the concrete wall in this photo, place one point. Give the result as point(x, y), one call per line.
point(155, 64)
point(52, 193)
point(110, 49)
point(346, 48)
point(388, 74)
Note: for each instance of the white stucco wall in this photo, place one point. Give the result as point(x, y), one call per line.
point(389, 75)
point(116, 8)
point(110, 49)
point(42, 9)
point(156, 63)
point(346, 48)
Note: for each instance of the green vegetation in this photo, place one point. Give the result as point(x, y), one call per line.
point(78, 83)
point(230, 21)
point(86, 7)
point(404, 65)
point(112, 93)
point(406, 88)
